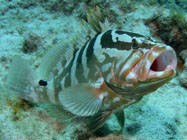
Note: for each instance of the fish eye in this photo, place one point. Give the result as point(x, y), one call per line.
point(135, 44)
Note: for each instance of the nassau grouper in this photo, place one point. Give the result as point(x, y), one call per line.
point(112, 70)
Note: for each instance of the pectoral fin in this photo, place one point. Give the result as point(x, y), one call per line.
point(120, 117)
point(81, 100)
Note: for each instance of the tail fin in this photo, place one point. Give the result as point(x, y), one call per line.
point(21, 80)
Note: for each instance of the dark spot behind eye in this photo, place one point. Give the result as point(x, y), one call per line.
point(42, 83)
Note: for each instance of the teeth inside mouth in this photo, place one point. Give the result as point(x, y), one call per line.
point(164, 62)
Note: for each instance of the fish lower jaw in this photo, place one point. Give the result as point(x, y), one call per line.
point(169, 67)
point(161, 74)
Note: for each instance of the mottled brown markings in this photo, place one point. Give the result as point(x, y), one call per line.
point(106, 61)
point(92, 62)
point(144, 44)
point(67, 81)
point(79, 66)
point(129, 33)
point(90, 49)
point(107, 42)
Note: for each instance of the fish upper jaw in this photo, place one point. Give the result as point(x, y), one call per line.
point(157, 63)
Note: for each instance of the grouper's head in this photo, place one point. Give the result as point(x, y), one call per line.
point(144, 70)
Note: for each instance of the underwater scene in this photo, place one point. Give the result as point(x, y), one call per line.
point(93, 70)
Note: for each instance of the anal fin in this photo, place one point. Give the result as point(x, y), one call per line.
point(98, 120)
point(120, 117)
point(57, 112)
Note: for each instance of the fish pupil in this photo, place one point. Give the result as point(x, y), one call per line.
point(42, 83)
point(134, 44)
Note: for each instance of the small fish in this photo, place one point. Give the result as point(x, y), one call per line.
point(113, 69)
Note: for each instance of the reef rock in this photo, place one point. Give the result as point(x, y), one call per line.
point(183, 76)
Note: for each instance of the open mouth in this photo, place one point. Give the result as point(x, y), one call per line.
point(164, 62)
point(157, 63)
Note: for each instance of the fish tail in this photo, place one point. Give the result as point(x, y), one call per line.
point(21, 80)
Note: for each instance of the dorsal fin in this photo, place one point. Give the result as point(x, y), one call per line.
point(58, 55)
point(95, 23)
point(55, 59)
